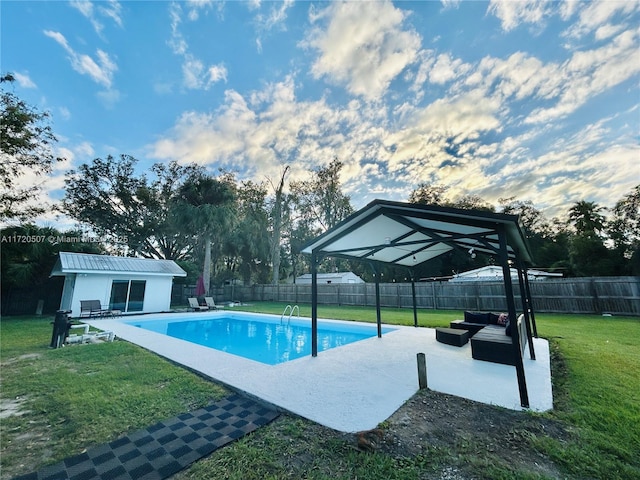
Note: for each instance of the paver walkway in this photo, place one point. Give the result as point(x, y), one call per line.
point(165, 448)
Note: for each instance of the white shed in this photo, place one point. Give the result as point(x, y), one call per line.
point(131, 285)
point(337, 277)
point(494, 273)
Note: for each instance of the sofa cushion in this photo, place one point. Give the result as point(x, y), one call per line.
point(486, 318)
point(476, 317)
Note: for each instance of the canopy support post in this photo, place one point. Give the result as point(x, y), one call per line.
point(314, 304)
point(525, 306)
point(527, 287)
point(503, 256)
point(413, 294)
point(376, 273)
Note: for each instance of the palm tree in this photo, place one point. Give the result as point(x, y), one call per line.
point(205, 208)
point(587, 218)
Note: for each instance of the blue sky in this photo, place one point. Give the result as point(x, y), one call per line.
point(533, 99)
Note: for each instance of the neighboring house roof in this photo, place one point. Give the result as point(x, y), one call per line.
point(327, 276)
point(103, 264)
point(491, 272)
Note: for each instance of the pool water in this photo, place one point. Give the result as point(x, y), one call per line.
point(263, 338)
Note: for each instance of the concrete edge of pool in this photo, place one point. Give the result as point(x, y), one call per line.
point(356, 386)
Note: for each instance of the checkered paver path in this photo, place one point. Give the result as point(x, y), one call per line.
point(165, 448)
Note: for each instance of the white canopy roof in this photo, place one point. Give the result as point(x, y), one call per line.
point(407, 234)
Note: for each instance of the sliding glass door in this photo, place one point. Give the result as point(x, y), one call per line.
point(127, 295)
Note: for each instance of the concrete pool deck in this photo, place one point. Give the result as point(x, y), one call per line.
point(359, 385)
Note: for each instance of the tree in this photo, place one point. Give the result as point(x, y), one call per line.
point(249, 243)
point(429, 194)
point(276, 221)
point(624, 230)
point(471, 202)
point(28, 253)
point(587, 253)
point(126, 209)
point(587, 218)
point(553, 252)
point(205, 208)
point(319, 204)
point(26, 140)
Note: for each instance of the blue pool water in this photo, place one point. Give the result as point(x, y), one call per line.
point(263, 338)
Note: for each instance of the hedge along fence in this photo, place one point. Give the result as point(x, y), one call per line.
point(615, 295)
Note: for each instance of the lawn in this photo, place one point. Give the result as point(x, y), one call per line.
point(79, 396)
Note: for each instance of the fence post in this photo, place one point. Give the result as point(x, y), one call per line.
point(433, 295)
point(594, 293)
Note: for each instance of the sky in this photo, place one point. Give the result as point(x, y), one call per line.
point(537, 100)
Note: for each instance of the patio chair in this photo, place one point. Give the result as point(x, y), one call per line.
point(195, 306)
point(92, 308)
point(210, 303)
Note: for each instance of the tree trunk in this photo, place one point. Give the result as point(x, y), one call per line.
point(206, 269)
point(277, 231)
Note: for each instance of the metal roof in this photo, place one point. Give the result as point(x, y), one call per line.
point(408, 234)
point(495, 273)
point(69, 262)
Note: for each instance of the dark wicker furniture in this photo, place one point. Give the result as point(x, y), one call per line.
point(491, 342)
point(452, 336)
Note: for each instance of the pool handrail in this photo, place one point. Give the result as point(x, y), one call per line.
point(291, 309)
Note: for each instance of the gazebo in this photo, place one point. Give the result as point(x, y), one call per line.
point(407, 235)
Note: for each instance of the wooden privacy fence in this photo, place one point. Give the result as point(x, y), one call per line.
point(615, 295)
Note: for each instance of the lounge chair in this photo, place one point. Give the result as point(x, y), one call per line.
point(195, 306)
point(92, 309)
point(210, 303)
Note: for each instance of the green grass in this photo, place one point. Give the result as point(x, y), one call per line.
point(599, 394)
point(79, 396)
point(393, 316)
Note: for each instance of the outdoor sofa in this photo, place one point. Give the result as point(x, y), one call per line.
point(490, 341)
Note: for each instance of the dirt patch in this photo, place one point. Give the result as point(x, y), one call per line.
point(28, 356)
point(435, 420)
point(12, 407)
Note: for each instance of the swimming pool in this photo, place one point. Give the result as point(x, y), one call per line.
point(263, 338)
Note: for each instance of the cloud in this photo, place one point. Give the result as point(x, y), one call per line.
point(195, 75)
point(110, 10)
point(514, 13)
point(444, 141)
point(596, 17)
point(446, 69)
point(195, 7)
point(485, 127)
point(275, 18)
point(361, 45)
point(100, 70)
point(589, 73)
point(177, 42)
point(518, 77)
point(447, 4)
point(260, 132)
point(64, 113)
point(24, 80)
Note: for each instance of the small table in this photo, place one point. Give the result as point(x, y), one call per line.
point(452, 336)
